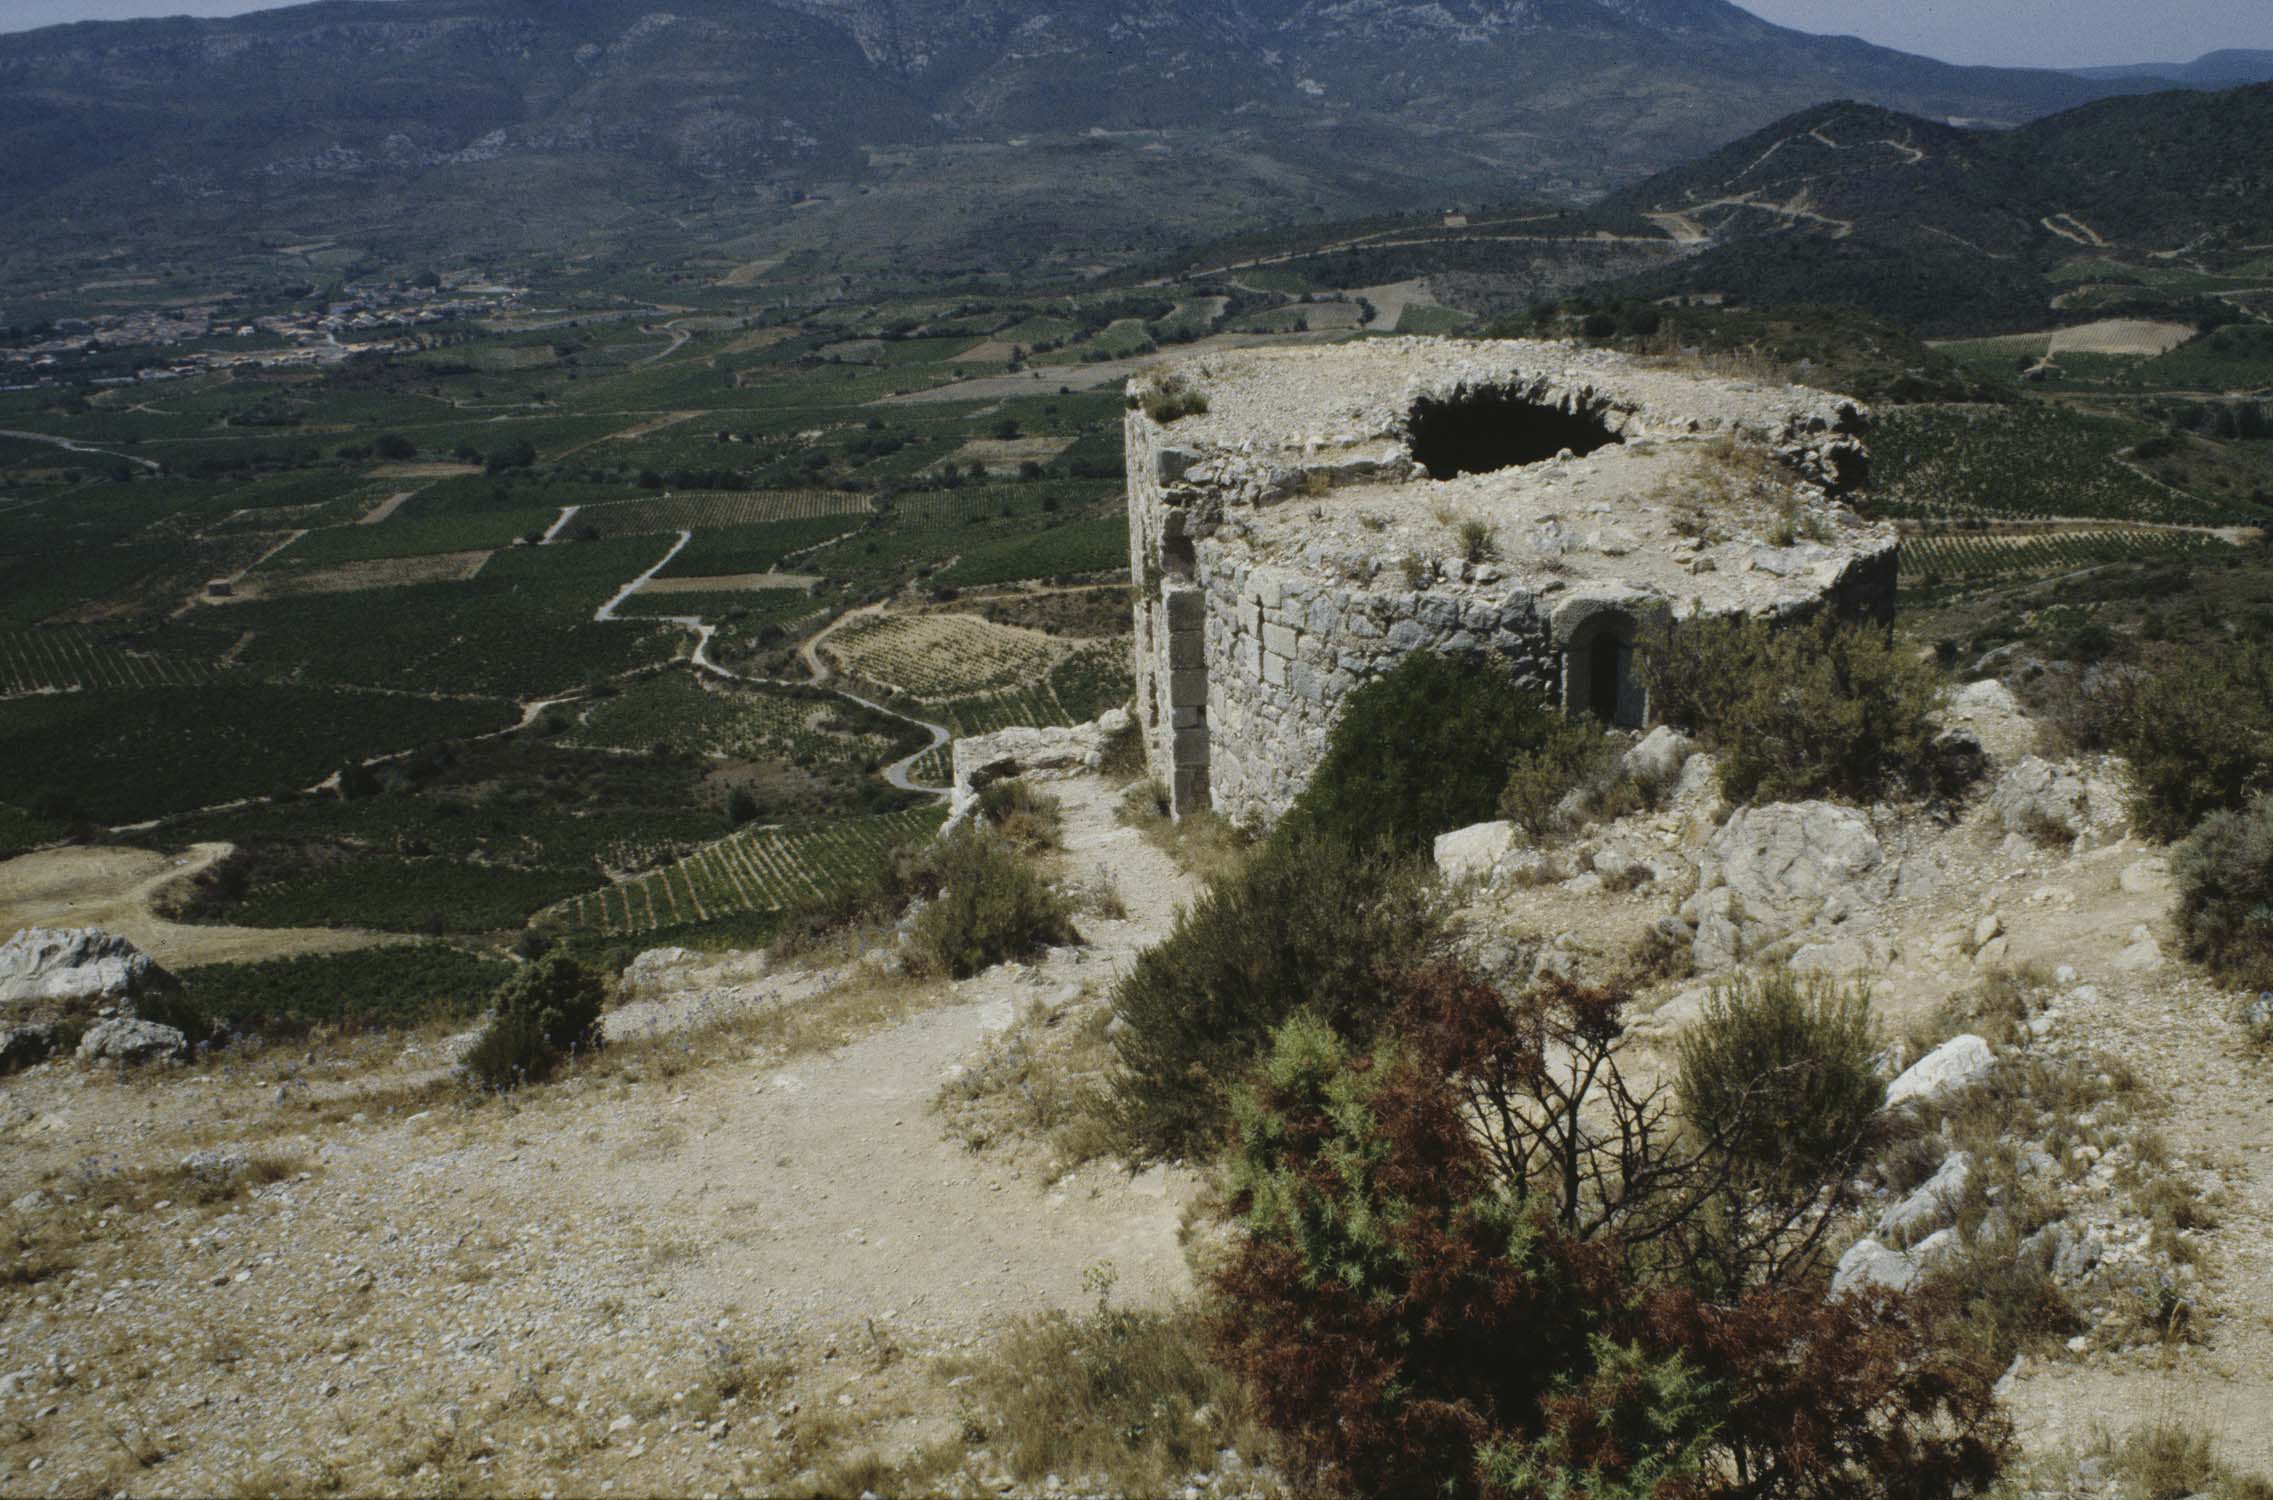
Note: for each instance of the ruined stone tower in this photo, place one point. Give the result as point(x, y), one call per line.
point(1299, 518)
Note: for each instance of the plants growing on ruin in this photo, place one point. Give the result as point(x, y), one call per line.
point(1423, 749)
point(1813, 709)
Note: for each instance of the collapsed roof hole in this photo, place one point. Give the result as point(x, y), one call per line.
point(1478, 431)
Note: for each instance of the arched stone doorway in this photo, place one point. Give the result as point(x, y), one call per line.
point(1601, 673)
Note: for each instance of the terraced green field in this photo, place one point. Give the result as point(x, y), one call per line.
point(757, 870)
point(1931, 561)
point(2023, 462)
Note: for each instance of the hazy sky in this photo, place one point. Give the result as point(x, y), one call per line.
point(2039, 33)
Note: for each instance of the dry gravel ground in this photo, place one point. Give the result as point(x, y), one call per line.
point(744, 1252)
point(564, 1289)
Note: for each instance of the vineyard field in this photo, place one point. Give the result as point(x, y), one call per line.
point(759, 869)
point(694, 510)
point(1931, 561)
point(674, 709)
point(75, 659)
point(940, 656)
point(2030, 460)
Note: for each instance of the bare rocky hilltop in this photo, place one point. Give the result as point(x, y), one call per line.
point(771, 1235)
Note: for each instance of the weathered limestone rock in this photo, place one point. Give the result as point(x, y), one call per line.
point(1474, 852)
point(128, 1042)
point(1953, 1067)
point(73, 973)
point(1929, 1208)
point(1792, 870)
point(1042, 754)
point(1658, 759)
point(1868, 1263)
point(2057, 802)
point(1993, 716)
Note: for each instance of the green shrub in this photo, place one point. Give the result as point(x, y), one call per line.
point(545, 1014)
point(1572, 755)
point(2198, 737)
point(1817, 709)
point(2224, 911)
point(1422, 750)
point(992, 905)
point(1311, 923)
point(1778, 1073)
point(1027, 819)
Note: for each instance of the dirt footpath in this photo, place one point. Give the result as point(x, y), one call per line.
point(113, 888)
point(562, 1289)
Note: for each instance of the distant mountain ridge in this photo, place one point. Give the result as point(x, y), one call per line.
point(534, 116)
point(2212, 70)
point(1956, 230)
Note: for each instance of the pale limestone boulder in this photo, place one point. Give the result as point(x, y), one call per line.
point(1793, 857)
point(129, 1042)
point(1950, 1069)
point(72, 973)
point(1791, 873)
point(1868, 1263)
point(1993, 716)
point(1931, 1207)
point(1658, 759)
point(1474, 852)
point(2057, 801)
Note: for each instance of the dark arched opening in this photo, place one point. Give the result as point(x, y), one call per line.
point(1476, 432)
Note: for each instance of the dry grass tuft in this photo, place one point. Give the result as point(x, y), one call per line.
point(1041, 1084)
point(1204, 844)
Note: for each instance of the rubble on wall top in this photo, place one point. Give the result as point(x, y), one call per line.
point(1721, 494)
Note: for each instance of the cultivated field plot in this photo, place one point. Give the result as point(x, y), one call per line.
point(1929, 561)
point(941, 656)
point(761, 869)
point(73, 659)
point(677, 710)
point(2033, 460)
point(2122, 336)
point(694, 510)
point(355, 577)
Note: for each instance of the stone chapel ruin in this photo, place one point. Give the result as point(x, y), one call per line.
point(1299, 518)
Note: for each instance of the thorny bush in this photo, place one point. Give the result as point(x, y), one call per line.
point(1468, 1270)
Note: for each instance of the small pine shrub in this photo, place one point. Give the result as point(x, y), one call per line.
point(1422, 750)
point(1572, 754)
point(1819, 709)
point(992, 905)
point(1778, 1073)
point(545, 1014)
point(2224, 908)
point(1311, 923)
point(2198, 737)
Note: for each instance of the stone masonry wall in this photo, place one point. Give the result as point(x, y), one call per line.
point(1283, 650)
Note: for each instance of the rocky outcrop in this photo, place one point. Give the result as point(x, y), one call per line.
point(1868, 1263)
point(2058, 802)
point(1040, 754)
point(1989, 713)
point(73, 973)
point(1785, 875)
point(54, 981)
point(1953, 1067)
point(128, 1042)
